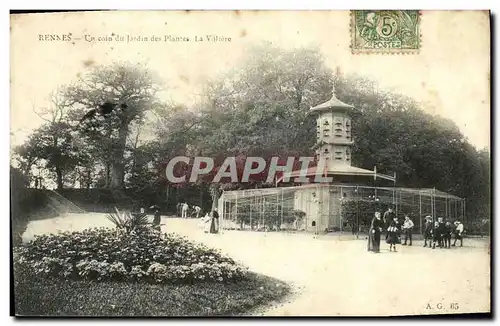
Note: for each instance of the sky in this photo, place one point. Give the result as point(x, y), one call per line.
point(450, 74)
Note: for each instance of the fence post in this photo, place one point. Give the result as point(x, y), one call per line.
point(464, 217)
point(446, 208)
point(252, 204)
point(236, 210)
point(277, 209)
point(264, 212)
point(281, 207)
point(420, 209)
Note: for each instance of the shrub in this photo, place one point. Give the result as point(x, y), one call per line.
point(108, 254)
point(129, 222)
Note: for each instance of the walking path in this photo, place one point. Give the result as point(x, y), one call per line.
point(336, 277)
point(339, 277)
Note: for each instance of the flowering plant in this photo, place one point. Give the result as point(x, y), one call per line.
point(104, 254)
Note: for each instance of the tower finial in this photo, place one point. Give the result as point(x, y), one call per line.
point(333, 91)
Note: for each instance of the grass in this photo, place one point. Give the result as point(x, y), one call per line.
point(35, 296)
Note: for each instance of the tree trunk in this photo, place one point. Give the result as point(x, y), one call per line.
point(88, 179)
point(59, 175)
point(117, 175)
point(117, 165)
point(215, 193)
point(107, 182)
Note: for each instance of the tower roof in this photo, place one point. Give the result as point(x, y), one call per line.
point(333, 104)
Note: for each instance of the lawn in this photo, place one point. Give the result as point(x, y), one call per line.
point(35, 296)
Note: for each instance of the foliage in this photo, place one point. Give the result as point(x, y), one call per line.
point(133, 85)
point(478, 227)
point(105, 254)
point(18, 197)
point(129, 222)
point(41, 296)
point(361, 212)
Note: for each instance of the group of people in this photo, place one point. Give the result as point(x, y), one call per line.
point(438, 233)
point(209, 222)
point(183, 210)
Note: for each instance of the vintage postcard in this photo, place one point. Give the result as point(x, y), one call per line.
point(250, 163)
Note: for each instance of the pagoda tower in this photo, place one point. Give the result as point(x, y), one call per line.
point(333, 132)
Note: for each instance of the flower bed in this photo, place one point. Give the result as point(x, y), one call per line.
point(105, 254)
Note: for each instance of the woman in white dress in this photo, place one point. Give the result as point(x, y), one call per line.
point(205, 223)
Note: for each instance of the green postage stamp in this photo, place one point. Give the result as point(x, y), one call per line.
point(385, 31)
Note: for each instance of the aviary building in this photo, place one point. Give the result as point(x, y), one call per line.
point(318, 207)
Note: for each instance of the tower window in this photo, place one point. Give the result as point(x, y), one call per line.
point(326, 150)
point(338, 135)
point(326, 123)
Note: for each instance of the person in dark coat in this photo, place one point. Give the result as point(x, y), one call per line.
point(214, 226)
point(447, 234)
point(442, 231)
point(374, 233)
point(157, 219)
point(392, 234)
point(428, 227)
point(436, 235)
point(178, 211)
point(389, 216)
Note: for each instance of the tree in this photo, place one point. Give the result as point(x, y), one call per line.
point(133, 85)
point(53, 142)
point(392, 132)
point(262, 110)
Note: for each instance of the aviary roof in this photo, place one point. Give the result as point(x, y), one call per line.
point(335, 169)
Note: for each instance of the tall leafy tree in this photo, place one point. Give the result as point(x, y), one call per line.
point(120, 83)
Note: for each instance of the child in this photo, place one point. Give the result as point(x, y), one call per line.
point(428, 231)
point(442, 231)
point(458, 233)
point(408, 228)
point(436, 235)
point(392, 234)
